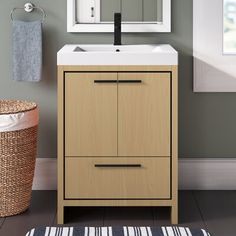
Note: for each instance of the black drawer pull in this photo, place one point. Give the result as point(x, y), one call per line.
point(118, 165)
point(105, 81)
point(130, 81)
point(117, 81)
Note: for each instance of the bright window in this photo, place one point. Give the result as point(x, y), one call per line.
point(229, 27)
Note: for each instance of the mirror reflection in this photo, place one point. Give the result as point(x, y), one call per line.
point(132, 10)
point(102, 11)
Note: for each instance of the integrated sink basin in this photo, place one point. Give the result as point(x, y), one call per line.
point(122, 48)
point(105, 54)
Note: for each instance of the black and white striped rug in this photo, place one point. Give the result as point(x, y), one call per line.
point(117, 231)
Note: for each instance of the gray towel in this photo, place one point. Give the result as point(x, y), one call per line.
point(27, 50)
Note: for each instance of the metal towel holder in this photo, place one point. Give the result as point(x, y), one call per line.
point(28, 7)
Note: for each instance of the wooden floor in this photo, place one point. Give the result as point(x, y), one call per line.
point(212, 210)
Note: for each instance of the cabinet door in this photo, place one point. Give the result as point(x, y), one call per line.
point(144, 114)
point(91, 114)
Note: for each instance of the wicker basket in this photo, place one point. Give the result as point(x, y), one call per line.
point(17, 155)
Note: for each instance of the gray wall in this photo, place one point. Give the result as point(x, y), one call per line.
point(206, 121)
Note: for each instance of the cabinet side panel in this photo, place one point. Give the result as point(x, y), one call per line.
point(174, 217)
point(60, 146)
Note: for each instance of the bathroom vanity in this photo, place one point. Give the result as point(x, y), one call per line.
point(117, 126)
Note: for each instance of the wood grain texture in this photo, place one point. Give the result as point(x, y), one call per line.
point(144, 115)
point(84, 180)
point(174, 145)
point(115, 68)
point(141, 132)
point(90, 115)
point(60, 145)
point(116, 203)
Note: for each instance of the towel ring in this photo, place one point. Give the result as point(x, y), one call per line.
point(28, 7)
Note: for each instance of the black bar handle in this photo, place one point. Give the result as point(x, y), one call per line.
point(118, 165)
point(130, 81)
point(118, 81)
point(105, 81)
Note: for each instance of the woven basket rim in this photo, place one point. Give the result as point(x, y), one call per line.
point(16, 106)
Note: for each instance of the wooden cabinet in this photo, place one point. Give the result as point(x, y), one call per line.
point(117, 137)
point(144, 114)
point(90, 114)
point(117, 114)
point(117, 178)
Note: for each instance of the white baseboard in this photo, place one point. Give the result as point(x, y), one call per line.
point(45, 177)
point(207, 174)
point(194, 174)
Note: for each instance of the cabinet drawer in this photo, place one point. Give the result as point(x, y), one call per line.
point(117, 178)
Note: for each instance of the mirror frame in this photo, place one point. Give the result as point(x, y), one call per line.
point(73, 26)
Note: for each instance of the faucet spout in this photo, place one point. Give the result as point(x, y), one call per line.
point(117, 29)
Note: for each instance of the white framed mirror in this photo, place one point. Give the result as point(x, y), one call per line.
point(137, 15)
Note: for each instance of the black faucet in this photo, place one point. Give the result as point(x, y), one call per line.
point(117, 29)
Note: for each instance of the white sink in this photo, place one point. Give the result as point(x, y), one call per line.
point(105, 54)
point(122, 48)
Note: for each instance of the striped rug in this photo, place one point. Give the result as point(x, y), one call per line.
point(117, 231)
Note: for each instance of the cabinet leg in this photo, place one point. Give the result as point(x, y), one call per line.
point(60, 215)
point(174, 215)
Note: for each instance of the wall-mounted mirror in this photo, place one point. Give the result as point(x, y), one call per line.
point(137, 15)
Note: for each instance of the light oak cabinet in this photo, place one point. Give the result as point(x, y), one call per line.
point(117, 137)
point(144, 114)
point(117, 114)
point(90, 114)
point(123, 178)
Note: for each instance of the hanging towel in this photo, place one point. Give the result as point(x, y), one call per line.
point(27, 51)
